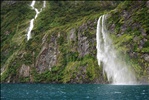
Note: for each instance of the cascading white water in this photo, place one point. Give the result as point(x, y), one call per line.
point(44, 4)
point(117, 71)
point(32, 20)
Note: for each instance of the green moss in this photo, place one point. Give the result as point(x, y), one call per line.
point(121, 41)
point(145, 50)
point(68, 71)
point(74, 69)
point(24, 79)
point(14, 25)
point(125, 42)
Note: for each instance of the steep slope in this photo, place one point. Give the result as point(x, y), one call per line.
point(129, 25)
point(14, 24)
point(63, 44)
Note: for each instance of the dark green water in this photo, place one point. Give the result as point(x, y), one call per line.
point(73, 92)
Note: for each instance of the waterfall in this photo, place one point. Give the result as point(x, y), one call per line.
point(117, 70)
point(32, 20)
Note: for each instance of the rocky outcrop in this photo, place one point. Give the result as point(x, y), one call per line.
point(129, 26)
point(24, 71)
point(85, 40)
point(147, 4)
point(72, 35)
point(146, 57)
point(63, 49)
point(83, 45)
point(48, 55)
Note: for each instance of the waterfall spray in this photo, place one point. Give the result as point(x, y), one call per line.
point(117, 71)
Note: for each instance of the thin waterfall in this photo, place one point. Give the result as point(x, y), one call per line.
point(117, 70)
point(32, 20)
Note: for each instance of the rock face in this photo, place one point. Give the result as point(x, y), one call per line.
point(81, 41)
point(132, 29)
point(147, 4)
point(63, 48)
point(86, 41)
point(146, 57)
point(48, 56)
point(72, 35)
point(83, 45)
point(24, 71)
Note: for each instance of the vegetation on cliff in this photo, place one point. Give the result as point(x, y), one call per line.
point(129, 23)
point(63, 44)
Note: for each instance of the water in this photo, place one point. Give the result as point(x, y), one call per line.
point(116, 69)
point(73, 92)
point(32, 20)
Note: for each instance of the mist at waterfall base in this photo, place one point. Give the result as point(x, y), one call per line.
point(116, 69)
point(73, 92)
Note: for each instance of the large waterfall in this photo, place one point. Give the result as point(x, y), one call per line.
point(117, 71)
point(32, 20)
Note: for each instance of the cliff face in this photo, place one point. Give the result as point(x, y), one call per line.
point(63, 44)
point(129, 24)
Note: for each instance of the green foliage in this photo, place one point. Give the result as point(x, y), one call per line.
point(56, 20)
point(86, 66)
point(13, 22)
point(146, 44)
point(5, 76)
point(24, 79)
point(134, 26)
point(60, 13)
point(11, 70)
